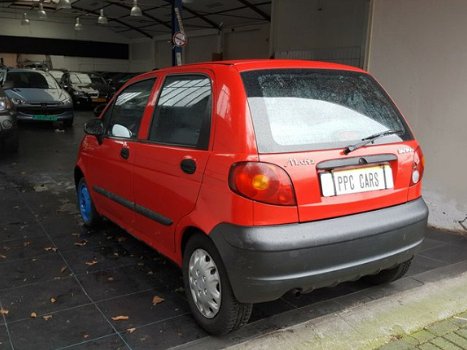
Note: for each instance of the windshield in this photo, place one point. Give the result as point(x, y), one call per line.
point(97, 79)
point(304, 109)
point(80, 78)
point(31, 80)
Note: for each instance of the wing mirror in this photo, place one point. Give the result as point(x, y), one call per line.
point(95, 127)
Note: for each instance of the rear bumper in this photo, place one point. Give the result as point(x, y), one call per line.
point(265, 262)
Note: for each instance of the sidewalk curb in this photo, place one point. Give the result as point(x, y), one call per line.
point(372, 324)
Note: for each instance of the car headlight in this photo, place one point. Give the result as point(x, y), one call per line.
point(3, 105)
point(18, 101)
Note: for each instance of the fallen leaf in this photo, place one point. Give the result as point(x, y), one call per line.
point(2, 256)
point(33, 315)
point(81, 243)
point(157, 300)
point(49, 249)
point(63, 269)
point(85, 336)
point(120, 318)
point(53, 300)
point(27, 243)
point(4, 311)
point(92, 262)
point(47, 317)
point(131, 330)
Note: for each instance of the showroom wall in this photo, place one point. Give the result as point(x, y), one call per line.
point(56, 30)
point(250, 41)
point(332, 30)
point(417, 51)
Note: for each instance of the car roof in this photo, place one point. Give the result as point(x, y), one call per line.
point(256, 64)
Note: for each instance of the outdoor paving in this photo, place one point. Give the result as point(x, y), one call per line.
point(65, 286)
point(449, 334)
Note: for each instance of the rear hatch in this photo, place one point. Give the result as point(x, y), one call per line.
point(337, 134)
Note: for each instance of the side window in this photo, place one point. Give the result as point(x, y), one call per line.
point(183, 112)
point(128, 109)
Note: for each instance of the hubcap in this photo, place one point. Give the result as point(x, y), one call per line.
point(205, 284)
point(84, 202)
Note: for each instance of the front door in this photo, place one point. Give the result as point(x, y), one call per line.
point(110, 169)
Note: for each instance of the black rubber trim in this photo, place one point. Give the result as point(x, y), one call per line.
point(340, 163)
point(135, 207)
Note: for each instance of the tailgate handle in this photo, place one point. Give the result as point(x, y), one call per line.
point(354, 161)
point(125, 153)
point(188, 166)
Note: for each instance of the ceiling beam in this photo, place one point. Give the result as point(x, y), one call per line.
point(256, 9)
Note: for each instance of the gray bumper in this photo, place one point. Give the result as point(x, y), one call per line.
point(265, 262)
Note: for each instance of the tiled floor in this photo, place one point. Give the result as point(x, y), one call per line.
point(63, 286)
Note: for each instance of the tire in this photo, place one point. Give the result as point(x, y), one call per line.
point(201, 253)
point(86, 207)
point(11, 143)
point(389, 275)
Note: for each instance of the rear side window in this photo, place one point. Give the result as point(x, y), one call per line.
point(303, 109)
point(183, 113)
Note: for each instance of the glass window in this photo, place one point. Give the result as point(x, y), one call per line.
point(183, 112)
point(304, 109)
point(128, 109)
point(31, 80)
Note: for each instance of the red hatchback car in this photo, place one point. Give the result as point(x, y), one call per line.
point(257, 178)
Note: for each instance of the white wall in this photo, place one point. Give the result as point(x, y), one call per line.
point(240, 42)
point(54, 29)
point(327, 29)
point(418, 50)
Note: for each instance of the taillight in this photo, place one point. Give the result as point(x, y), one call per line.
point(418, 166)
point(262, 182)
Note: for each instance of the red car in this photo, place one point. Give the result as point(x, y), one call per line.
point(257, 178)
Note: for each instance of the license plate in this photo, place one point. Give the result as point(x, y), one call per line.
point(339, 182)
point(98, 99)
point(44, 117)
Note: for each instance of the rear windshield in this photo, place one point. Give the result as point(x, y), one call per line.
point(304, 109)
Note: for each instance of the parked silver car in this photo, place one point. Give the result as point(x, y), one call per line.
point(37, 96)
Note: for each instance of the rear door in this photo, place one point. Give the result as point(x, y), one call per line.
point(169, 166)
point(304, 119)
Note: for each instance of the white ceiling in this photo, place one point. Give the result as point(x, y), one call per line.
point(156, 19)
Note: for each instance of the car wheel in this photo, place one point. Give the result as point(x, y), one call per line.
point(389, 275)
point(86, 206)
point(11, 143)
point(208, 289)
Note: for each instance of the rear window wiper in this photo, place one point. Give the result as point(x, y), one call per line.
point(369, 139)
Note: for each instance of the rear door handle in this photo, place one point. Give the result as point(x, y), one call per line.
point(125, 153)
point(188, 166)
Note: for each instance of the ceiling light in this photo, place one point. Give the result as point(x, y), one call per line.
point(41, 12)
point(25, 20)
point(64, 4)
point(136, 10)
point(102, 19)
point(78, 26)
